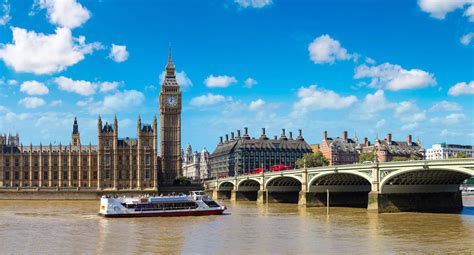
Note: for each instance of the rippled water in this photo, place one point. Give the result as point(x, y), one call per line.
point(57, 227)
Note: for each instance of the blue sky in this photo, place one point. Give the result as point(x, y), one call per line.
point(368, 67)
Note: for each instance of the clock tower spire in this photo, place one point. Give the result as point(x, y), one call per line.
point(170, 125)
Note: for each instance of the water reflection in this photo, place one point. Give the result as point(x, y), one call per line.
point(74, 227)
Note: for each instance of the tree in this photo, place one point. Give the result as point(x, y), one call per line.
point(312, 160)
point(366, 156)
point(396, 158)
point(182, 181)
point(460, 154)
point(414, 157)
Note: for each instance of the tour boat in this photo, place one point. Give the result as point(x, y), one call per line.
point(196, 204)
point(469, 190)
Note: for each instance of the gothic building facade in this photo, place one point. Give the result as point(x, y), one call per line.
point(195, 165)
point(114, 163)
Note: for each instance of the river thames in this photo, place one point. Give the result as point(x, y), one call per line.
point(73, 227)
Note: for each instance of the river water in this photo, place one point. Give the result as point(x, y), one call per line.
point(73, 227)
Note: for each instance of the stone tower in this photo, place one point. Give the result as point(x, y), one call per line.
point(76, 137)
point(170, 125)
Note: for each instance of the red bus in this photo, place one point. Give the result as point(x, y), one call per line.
point(279, 167)
point(258, 170)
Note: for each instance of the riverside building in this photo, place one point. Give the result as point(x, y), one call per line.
point(114, 163)
point(243, 154)
point(446, 151)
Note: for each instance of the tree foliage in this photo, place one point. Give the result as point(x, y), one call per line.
point(366, 156)
point(460, 154)
point(396, 158)
point(181, 181)
point(312, 160)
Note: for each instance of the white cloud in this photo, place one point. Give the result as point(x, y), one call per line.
point(34, 88)
point(446, 132)
point(369, 61)
point(446, 106)
point(250, 82)
point(313, 98)
point(380, 123)
point(12, 82)
point(207, 100)
point(5, 18)
point(256, 105)
point(120, 101)
point(253, 3)
point(182, 79)
point(394, 77)
point(407, 111)
point(56, 103)
point(83, 88)
point(439, 8)
point(467, 38)
point(38, 53)
point(452, 118)
point(409, 126)
point(372, 104)
point(118, 53)
point(64, 13)
point(324, 50)
point(220, 81)
point(32, 102)
point(108, 86)
point(462, 88)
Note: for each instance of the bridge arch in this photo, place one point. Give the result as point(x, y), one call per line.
point(248, 185)
point(283, 184)
point(225, 186)
point(420, 179)
point(340, 182)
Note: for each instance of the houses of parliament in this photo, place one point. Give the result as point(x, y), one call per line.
point(113, 164)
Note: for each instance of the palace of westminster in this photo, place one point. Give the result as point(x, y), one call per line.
point(113, 163)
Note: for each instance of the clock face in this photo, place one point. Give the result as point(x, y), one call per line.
point(171, 101)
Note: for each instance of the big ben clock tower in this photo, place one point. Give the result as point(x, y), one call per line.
point(170, 125)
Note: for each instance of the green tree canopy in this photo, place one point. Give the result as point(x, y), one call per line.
point(460, 154)
point(182, 181)
point(396, 158)
point(312, 160)
point(366, 156)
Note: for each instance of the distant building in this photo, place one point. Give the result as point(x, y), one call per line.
point(446, 151)
point(387, 149)
point(195, 165)
point(340, 150)
point(315, 147)
point(243, 154)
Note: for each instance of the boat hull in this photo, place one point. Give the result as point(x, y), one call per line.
point(165, 214)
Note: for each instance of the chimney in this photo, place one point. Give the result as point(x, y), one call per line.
point(263, 131)
point(238, 133)
point(221, 140)
point(300, 135)
point(344, 136)
point(291, 135)
point(226, 138)
point(283, 134)
point(409, 141)
point(366, 141)
point(232, 136)
point(275, 137)
point(389, 138)
point(246, 133)
point(325, 135)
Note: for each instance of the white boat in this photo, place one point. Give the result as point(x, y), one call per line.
point(196, 204)
point(468, 190)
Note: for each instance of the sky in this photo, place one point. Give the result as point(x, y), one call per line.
point(368, 67)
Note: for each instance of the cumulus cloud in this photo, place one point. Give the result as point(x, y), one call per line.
point(182, 79)
point(446, 106)
point(12, 82)
point(84, 88)
point(119, 101)
point(407, 111)
point(34, 88)
point(64, 13)
point(314, 98)
point(250, 82)
point(372, 104)
point(118, 53)
point(409, 126)
point(220, 81)
point(56, 103)
point(253, 3)
point(439, 8)
point(256, 105)
point(32, 102)
point(452, 118)
point(5, 18)
point(38, 53)
point(467, 38)
point(207, 100)
point(380, 123)
point(326, 50)
point(462, 88)
point(394, 77)
point(445, 132)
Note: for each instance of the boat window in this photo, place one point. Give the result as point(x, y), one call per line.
point(211, 203)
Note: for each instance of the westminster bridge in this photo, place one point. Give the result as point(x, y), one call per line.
point(431, 186)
